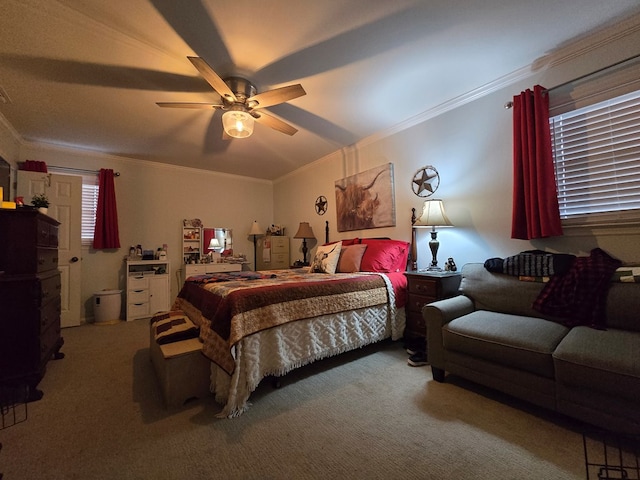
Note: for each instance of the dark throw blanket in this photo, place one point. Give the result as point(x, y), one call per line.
point(579, 296)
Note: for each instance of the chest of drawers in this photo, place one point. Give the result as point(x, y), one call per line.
point(30, 287)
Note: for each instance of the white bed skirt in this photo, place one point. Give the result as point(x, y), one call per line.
point(279, 350)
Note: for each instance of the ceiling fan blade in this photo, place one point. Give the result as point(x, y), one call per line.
point(213, 78)
point(276, 96)
point(187, 105)
point(274, 123)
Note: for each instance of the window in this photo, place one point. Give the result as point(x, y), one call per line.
point(89, 207)
point(596, 149)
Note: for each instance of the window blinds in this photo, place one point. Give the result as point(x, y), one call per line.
point(597, 159)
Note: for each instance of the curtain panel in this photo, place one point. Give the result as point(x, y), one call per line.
point(535, 200)
point(106, 233)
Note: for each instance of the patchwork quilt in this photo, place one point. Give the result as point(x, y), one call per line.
point(230, 309)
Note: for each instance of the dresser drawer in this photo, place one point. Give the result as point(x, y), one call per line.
point(416, 302)
point(224, 267)
point(49, 339)
point(135, 310)
point(50, 315)
point(415, 325)
point(424, 286)
point(50, 288)
point(138, 296)
point(280, 245)
point(138, 283)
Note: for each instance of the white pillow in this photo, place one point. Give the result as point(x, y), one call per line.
point(326, 258)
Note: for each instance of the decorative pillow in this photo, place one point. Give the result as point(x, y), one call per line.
point(350, 258)
point(326, 259)
point(172, 327)
point(384, 255)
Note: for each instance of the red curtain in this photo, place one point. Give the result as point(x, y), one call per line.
point(535, 200)
point(106, 231)
point(34, 166)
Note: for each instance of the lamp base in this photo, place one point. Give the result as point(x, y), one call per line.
point(433, 245)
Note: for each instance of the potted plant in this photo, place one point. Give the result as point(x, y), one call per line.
point(41, 202)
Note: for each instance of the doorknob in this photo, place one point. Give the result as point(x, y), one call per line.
point(74, 259)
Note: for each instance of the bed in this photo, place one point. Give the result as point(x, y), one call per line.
point(267, 323)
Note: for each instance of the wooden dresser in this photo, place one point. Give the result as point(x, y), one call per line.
point(29, 297)
point(425, 287)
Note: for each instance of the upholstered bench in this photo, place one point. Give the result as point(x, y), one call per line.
point(182, 370)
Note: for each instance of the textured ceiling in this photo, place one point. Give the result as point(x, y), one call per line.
point(88, 74)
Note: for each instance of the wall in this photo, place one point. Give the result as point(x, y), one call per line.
point(153, 199)
point(470, 146)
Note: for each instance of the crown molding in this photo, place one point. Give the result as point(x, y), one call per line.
point(123, 162)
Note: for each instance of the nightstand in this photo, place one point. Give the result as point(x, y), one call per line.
point(423, 288)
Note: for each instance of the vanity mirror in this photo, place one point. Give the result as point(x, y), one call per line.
point(223, 240)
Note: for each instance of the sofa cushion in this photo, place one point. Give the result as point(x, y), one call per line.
point(499, 292)
point(517, 341)
point(623, 305)
point(608, 361)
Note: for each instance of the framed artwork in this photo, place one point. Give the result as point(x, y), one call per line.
point(366, 200)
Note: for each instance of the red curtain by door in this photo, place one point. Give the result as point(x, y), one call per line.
point(535, 200)
point(34, 166)
point(106, 230)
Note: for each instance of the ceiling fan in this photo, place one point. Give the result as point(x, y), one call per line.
point(241, 102)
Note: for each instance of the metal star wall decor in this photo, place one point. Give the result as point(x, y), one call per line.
point(321, 205)
point(426, 181)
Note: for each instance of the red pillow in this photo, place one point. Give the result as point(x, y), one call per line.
point(351, 241)
point(384, 256)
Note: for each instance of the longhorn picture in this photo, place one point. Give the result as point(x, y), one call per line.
point(366, 200)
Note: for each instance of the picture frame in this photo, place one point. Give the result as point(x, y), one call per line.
point(366, 200)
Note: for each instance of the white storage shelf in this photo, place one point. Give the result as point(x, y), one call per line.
point(147, 288)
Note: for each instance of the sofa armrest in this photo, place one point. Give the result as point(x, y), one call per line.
point(436, 315)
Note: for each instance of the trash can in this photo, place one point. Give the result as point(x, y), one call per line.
point(106, 306)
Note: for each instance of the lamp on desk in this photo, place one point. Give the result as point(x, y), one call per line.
point(214, 244)
point(433, 216)
point(304, 232)
point(255, 231)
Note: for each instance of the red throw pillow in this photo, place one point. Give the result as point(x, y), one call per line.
point(351, 241)
point(384, 255)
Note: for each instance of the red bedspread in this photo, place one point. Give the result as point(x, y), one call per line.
point(229, 310)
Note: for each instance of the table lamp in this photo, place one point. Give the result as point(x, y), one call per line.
point(304, 232)
point(433, 216)
point(255, 231)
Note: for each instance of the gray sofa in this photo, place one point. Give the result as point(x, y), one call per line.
point(491, 335)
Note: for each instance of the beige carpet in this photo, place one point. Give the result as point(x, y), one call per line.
point(362, 415)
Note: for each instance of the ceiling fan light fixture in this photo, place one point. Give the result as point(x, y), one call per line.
point(237, 123)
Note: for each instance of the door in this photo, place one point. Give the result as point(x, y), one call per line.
point(158, 293)
point(65, 198)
